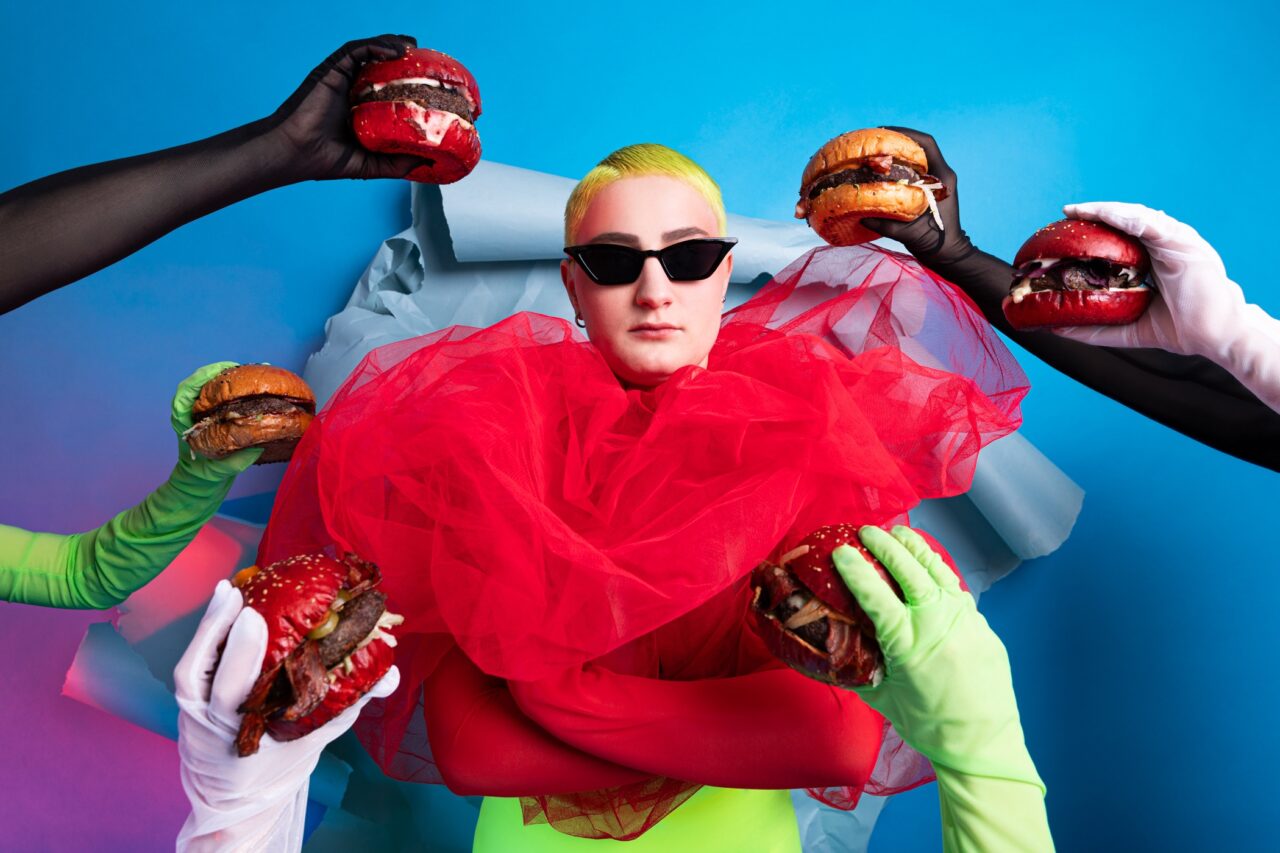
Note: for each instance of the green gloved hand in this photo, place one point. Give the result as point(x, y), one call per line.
point(195, 464)
point(101, 568)
point(948, 691)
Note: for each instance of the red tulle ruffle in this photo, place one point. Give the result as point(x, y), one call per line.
point(525, 506)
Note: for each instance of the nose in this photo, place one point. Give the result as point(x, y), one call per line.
point(653, 288)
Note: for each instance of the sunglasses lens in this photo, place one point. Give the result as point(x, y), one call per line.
point(611, 264)
point(693, 260)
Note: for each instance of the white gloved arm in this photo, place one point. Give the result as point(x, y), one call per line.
point(253, 803)
point(1197, 309)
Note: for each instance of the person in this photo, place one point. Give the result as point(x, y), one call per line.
point(1174, 387)
point(568, 534)
point(61, 228)
point(1197, 311)
point(100, 568)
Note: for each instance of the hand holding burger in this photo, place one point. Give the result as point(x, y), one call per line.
point(312, 129)
point(948, 691)
point(247, 406)
point(877, 172)
point(808, 618)
point(258, 802)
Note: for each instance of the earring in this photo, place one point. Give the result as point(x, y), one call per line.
point(577, 319)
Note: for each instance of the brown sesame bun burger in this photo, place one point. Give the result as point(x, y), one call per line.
point(1078, 273)
point(253, 405)
point(810, 620)
point(866, 173)
point(328, 643)
point(425, 103)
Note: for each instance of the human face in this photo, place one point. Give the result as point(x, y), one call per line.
point(649, 329)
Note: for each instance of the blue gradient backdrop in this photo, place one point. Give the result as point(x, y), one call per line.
point(1143, 651)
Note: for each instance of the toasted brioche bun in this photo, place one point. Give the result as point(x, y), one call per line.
point(836, 213)
point(848, 150)
point(276, 434)
point(251, 380)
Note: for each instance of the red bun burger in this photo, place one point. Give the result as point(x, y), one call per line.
point(866, 173)
point(808, 617)
point(1078, 273)
point(425, 104)
point(253, 405)
point(327, 643)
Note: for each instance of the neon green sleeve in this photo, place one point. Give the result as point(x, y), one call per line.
point(985, 815)
point(102, 567)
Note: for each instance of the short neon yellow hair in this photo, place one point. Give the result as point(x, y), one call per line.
point(647, 158)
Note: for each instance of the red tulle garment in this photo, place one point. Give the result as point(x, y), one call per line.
point(576, 552)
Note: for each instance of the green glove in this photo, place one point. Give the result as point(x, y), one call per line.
point(102, 567)
point(948, 691)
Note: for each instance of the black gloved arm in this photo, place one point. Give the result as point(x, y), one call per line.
point(58, 229)
point(1187, 393)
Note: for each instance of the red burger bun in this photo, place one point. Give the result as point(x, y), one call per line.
point(295, 597)
point(849, 657)
point(1082, 239)
point(1050, 308)
point(1077, 240)
point(446, 140)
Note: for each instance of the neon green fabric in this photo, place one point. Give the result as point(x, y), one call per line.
point(985, 815)
point(713, 819)
point(948, 690)
point(101, 568)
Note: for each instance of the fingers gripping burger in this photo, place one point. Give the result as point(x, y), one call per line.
point(253, 405)
point(328, 643)
point(1078, 273)
point(808, 617)
point(866, 173)
point(425, 103)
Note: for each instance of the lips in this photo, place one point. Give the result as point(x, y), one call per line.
point(655, 327)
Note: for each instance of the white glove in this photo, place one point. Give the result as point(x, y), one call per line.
point(254, 803)
point(1197, 310)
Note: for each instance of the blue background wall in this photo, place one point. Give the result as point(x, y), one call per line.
point(1143, 651)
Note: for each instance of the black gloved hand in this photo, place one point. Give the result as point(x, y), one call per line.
point(937, 249)
point(314, 126)
point(1175, 390)
point(58, 229)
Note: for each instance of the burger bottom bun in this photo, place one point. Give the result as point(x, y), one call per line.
point(836, 213)
point(449, 144)
point(369, 665)
point(1049, 308)
point(277, 434)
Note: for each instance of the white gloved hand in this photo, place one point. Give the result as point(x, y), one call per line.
point(1197, 310)
point(258, 802)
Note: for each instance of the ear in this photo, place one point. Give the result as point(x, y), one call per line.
point(728, 275)
point(567, 279)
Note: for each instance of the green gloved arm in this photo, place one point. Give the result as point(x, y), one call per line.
point(948, 691)
point(102, 567)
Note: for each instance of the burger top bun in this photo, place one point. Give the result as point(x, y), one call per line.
point(815, 570)
point(419, 62)
point(293, 596)
point(848, 149)
point(250, 380)
point(1079, 238)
